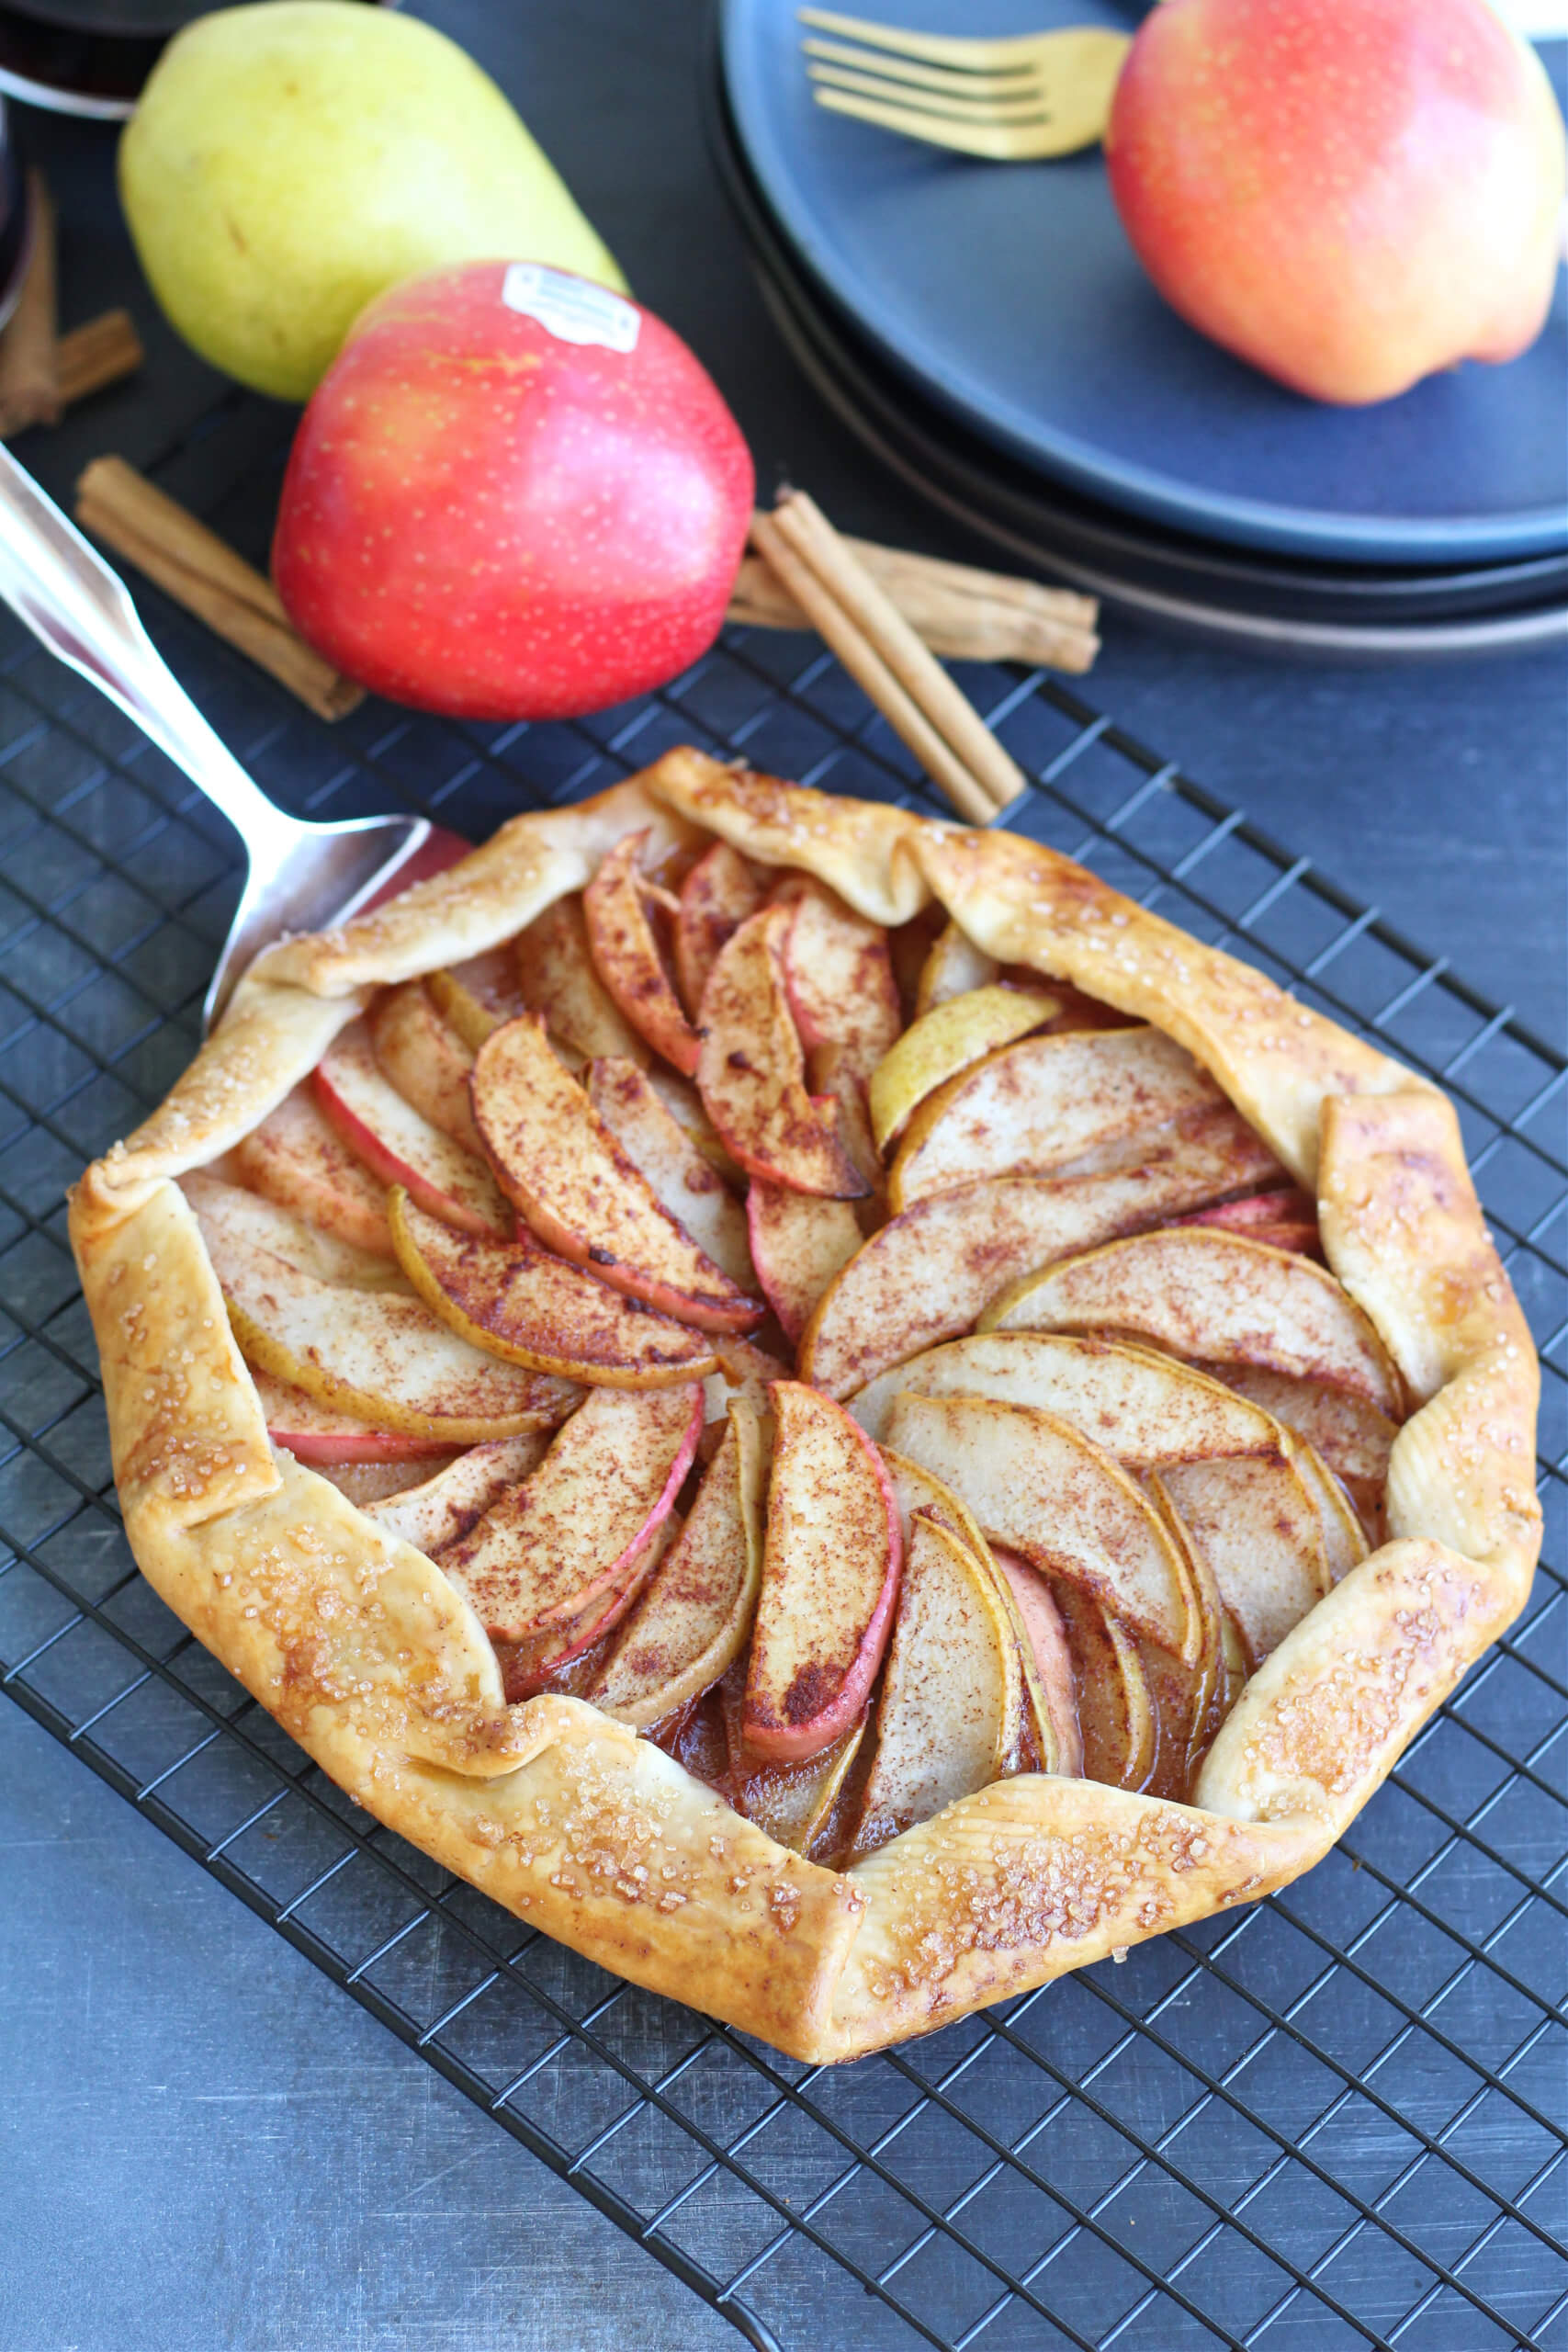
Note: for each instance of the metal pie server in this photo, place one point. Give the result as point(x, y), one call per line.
point(300, 877)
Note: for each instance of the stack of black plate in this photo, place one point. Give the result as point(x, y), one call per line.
point(838, 219)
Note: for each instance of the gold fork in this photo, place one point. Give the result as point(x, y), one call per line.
point(1013, 100)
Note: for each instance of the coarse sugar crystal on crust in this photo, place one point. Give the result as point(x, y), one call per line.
point(372, 1659)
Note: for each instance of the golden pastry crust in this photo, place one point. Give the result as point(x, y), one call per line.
point(371, 1660)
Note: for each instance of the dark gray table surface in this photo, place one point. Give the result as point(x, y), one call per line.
point(203, 2144)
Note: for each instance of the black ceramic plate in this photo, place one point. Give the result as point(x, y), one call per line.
point(89, 57)
point(1311, 607)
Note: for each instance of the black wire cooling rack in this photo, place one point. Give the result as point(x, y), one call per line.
point(1334, 2118)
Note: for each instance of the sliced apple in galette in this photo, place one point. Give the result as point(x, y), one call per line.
point(835, 1415)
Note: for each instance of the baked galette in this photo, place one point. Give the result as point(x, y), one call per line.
point(818, 1404)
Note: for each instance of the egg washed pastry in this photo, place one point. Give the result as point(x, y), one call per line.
point(824, 1407)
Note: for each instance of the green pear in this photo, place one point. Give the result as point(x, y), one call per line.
point(290, 161)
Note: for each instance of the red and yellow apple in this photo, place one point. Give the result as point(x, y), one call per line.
point(514, 495)
point(1349, 194)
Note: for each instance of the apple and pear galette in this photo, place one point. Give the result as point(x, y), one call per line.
point(818, 1404)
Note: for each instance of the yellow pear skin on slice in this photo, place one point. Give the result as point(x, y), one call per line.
point(956, 1258)
point(954, 968)
point(1142, 1407)
point(692, 1621)
point(1115, 1713)
point(1200, 1292)
point(1053, 1689)
point(580, 1193)
point(1033, 1107)
point(520, 1303)
point(945, 1039)
point(1258, 1529)
point(1043, 1488)
point(476, 997)
point(1344, 1544)
point(793, 1802)
point(948, 1720)
point(683, 1177)
point(574, 1528)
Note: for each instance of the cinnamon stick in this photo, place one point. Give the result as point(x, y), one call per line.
point(870, 671)
point(29, 380)
point(96, 354)
point(963, 613)
point(195, 567)
point(944, 711)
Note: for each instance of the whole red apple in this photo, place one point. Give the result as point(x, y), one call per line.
point(1347, 193)
point(514, 495)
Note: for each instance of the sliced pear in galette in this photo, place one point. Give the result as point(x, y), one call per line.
point(838, 1417)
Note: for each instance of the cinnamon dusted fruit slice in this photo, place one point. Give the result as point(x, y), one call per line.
point(576, 1529)
point(666, 1153)
point(751, 1069)
point(1051, 1657)
point(954, 1035)
point(444, 1506)
point(233, 1212)
point(949, 1716)
point(690, 1623)
point(830, 1564)
point(401, 1146)
point(794, 1802)
point(937, 1269)
point(1115, 1713)
point(617, 906)
point(426, 1060)
point(518, 1301)
point(376, 1355)
point(954, 968)
point(1201, 1293)
point(1353, 1437)
point(580, 1193)
point(1041, 1105)
point(842, 989)
point(1285, 1219)
point(717, 897)
point(297, 1157)
point(568, 1651)
point(1039, 1485)
point(1257, 1528)
point(554, 972)
point(1143, 1407)
point(798, 1243)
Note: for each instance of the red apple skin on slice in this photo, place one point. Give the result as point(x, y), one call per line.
point(1047, 1636)
point(441, 1508)
point(625, 956)
point(680, 1173)
point(556, 974)
point(572, 1530)
point(316, 1433)
point(426, 1060)
point(799, 1242)
point(398, 1145)
point(297, 1158)
point(752, 1071)
point(517, 1301)
point(840, 976)
point(831, 1559)
point(547, 1657)
point(582, 1194)
point(717, 897)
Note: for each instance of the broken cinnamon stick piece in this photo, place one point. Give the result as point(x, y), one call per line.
point(96, 354)
point(30, 381)
point(200, 571)
point(962, 613)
